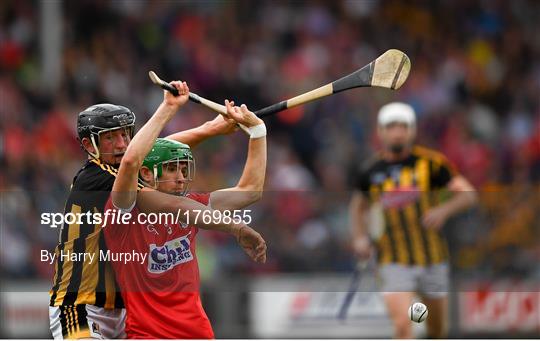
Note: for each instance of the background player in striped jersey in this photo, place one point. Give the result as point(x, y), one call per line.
point(405, 182)
point(162, 294)
point(84, 292)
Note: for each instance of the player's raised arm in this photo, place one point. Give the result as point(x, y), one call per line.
point(250, 186)
point(218, 126)
point(124, 190)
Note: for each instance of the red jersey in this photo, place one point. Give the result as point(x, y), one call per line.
point(161, 291)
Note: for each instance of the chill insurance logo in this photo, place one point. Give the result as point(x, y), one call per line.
point(172, 253)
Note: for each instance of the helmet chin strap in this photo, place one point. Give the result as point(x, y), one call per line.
point(95, 154)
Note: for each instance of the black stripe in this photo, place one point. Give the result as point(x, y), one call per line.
point(406, 231)
point(423, 233)
point(391, 237)
point(63, 321)
point(118, 301)
point(100, 288)
point(86, 229)
point(82, 316)
point(400, 67)
point(79, 247)
point(60, 268)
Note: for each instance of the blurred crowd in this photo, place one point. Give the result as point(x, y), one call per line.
point(475, 85)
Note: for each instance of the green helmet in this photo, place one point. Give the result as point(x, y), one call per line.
point(166, 151)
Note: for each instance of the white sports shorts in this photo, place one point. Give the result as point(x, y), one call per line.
point(85, 321)
point(431, 281)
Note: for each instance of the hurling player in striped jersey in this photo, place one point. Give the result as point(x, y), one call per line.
point(84, 299)
point(406, 185)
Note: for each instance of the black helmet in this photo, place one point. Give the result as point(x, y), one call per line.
point(100, 118)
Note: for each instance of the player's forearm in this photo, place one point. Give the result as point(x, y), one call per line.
point(358, 228)
point(254, 172)
point(125, 186)
point(357, 210)
point(459, 202)
point(250, 186)
point(464, 196)
point(143, 141)
point(192, 137)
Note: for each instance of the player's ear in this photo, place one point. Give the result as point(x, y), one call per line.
point(146, 174)
point(87, 145)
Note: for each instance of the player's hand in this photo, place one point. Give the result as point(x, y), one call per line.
point(435, 218)
point(252, 243)
point(242, 114)
point(222, 125)
point(362, 248)
point(176, 101)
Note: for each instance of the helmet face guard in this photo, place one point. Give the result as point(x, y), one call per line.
point(95, 138)
point(184, 170)
point(171, 156)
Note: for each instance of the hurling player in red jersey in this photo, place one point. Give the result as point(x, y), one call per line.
point(160, 284)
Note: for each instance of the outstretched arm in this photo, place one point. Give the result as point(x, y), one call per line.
point(124, 190)
point(251, 183)
point(218, 126)
point(464, 196)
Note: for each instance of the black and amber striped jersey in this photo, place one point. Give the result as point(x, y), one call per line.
point(405, 190)
point(80, 276)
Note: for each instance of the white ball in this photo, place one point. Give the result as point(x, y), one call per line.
point(418, 312)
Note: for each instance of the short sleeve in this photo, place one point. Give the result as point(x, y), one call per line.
point(442, 171)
